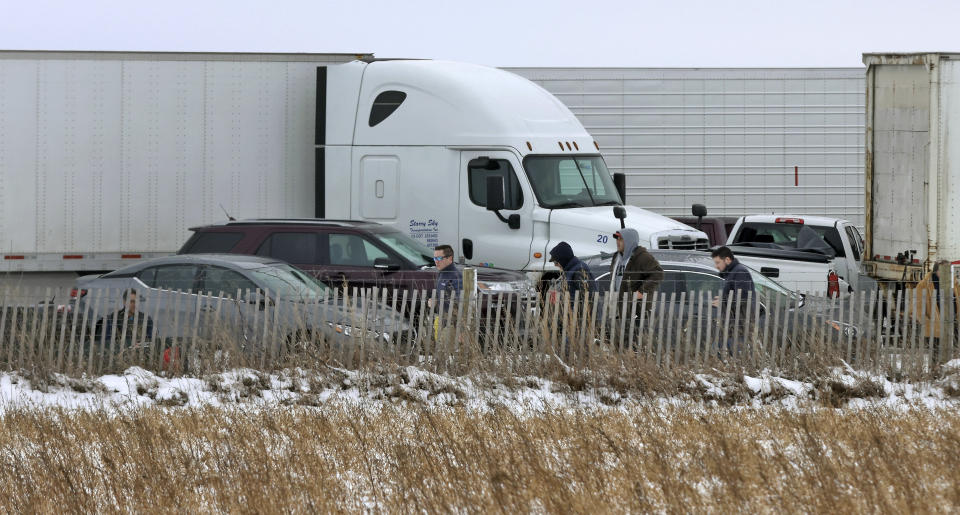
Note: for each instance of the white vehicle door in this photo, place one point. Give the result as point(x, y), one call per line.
point(845, 265)
point(485, 239)
point(854, 254)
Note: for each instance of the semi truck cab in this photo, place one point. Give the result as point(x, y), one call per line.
point(470, 156)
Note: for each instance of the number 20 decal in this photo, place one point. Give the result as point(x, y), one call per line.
point(601, 238)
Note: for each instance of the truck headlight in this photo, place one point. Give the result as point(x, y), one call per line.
point(494, 287)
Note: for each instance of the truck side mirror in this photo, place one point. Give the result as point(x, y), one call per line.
point(495, 200)
point(620, 213)
point(620, 182)
point(699, 211)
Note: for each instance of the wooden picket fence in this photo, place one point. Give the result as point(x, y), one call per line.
point(900, 334)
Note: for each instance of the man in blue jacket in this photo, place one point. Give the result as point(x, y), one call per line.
point(449, 278)
point(576, 273)
point(737, 282)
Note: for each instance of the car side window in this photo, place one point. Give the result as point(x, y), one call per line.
point(148, 276)
point(698, 282)
point(353, 250)
point(672, 283)
point(217, 280)
point(176, 277)
point(299, 248)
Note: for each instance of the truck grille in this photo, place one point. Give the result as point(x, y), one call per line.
point(681, 244)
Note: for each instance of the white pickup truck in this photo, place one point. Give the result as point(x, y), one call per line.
point(814, 255)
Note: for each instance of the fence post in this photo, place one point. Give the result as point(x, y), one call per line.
point(676, 330)
point(920, 328)
point(875, 335)
point(898, 313)
point(683, 343)
point(756, 346)
point(911, 323)
point(576, 329)
point(402, 314)
point(428, 319)
point(650, 327)
point(415, 322)
point(594, 306)
point(4, 339)
point(630, 325)
point(623, 321)
point(63, 317)
point(106, 344)
point(470, 292)
point(770, 333)
point(94, 298)
point(947, 344)
point(666, 311)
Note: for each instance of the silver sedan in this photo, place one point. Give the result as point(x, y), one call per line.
point(248, 299)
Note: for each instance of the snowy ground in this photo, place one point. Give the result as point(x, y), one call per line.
point(136, 387)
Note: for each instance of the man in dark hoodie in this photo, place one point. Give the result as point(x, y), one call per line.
point(577, 274)
point(633, 271)
point(738, 289)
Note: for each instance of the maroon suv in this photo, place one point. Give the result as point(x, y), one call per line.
point(357, 253)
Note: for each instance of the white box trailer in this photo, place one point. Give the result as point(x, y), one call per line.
point(108, 157)
point(911, 167)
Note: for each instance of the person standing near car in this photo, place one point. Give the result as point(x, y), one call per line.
point(130, 323)
point(449, 277)
point(633, 271)
point(738, 289)
point(578, 276)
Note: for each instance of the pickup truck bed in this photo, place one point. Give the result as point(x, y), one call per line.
point(800, 271)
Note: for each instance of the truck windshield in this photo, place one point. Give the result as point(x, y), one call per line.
point(409, 248)
point(571, 181)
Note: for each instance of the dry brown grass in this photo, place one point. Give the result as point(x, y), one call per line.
point(336, 458)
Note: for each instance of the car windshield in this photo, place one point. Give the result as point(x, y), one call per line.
point(571, 181)
point(409, 248)
point(288, 283)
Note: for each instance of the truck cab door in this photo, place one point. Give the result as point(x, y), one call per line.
point(485, 239)
point(853, 247)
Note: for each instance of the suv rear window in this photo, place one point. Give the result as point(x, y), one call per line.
point(299, 248)
point(786, 234)
point(212, 242)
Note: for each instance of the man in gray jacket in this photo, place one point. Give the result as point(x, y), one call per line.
point(634, 271)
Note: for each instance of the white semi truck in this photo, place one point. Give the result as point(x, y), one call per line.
point(108, 158)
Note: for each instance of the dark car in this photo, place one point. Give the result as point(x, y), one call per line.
point(692, 272)
point(351, 253)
